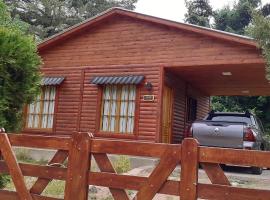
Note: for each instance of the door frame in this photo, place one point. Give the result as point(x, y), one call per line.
point(171, 114)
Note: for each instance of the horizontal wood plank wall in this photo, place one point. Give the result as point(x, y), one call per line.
point(203, 106)
point(147, 111)
point(124, 41)
point(179, 90)
point(202, 103)
point(68, 100)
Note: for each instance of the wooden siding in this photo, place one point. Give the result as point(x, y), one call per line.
point(181, 91)
point(147, 111)
point(68, 99)
point(122, 41)
point(122, 45)
point(179, 106)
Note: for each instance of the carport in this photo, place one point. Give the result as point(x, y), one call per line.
point(232, 69)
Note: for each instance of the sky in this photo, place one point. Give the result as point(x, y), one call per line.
point(174, 9)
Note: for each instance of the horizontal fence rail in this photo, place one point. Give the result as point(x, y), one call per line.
point(80, 148)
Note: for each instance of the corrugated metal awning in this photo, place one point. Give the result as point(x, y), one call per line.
point(129, 79)
point(52, 80)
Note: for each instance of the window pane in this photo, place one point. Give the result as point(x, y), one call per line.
point(50, 121)
point(130, 126)
point(30, 121)
point(132, 93)
point(40, 113)
point(123, 124)
point(105, 125)
point(131, 109)
point(118, 111)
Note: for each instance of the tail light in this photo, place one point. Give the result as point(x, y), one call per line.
point(188, 132)
point(249, 135)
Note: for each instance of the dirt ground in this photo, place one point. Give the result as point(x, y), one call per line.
point(239, 177)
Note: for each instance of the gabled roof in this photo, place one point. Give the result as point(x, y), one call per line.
point(123, 12)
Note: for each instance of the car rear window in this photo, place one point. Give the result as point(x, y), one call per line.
point(231, 119)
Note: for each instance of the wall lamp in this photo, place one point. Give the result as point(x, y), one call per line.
point(148, 86)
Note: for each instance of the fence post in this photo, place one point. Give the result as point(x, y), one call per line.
point(13, 167)
point(189, 169)
point(78, 167)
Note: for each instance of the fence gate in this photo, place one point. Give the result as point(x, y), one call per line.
point(81, 147)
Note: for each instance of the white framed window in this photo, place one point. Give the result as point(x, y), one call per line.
point(118, 108)
point(40, 113)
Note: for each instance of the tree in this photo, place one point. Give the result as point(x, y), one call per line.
point(48, 17)
point(199, 12)
point(259, 29)
point(19, 69)
point(237, 18)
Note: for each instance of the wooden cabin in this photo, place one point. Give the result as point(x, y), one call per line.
point(128, 75)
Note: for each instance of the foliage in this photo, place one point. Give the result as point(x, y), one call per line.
point(199, 12)
point(260, 31)
point(122, 164)
point(235, 19)
point(4, 180)
point(48, 17)
point(258, 105)
point(19, 70)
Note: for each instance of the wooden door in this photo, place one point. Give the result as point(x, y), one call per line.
point(167, 115)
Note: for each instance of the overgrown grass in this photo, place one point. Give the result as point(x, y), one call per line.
point(122, 164)
point(23, 156)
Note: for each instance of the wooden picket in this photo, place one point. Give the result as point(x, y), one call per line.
point(81, 147)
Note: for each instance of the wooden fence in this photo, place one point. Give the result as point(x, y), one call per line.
point(81, 147)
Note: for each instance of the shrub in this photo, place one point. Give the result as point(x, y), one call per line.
point(19, 70)
point(122, 164)
point(4, 180)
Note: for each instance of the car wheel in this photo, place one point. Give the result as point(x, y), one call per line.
point(257, 170)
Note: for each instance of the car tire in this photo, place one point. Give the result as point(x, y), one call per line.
point(257, 170)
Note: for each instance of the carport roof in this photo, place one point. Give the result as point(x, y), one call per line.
point(226, 80)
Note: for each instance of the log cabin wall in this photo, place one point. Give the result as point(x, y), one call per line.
point(182, 90)
point(203, 103)
point(126, 45)
point(147, 114)
point(179, 105)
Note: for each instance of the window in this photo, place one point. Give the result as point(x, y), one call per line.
point(118, 108)
point(40, 113)
point(191, 109)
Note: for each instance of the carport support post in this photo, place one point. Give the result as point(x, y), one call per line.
point(189, 169)
point(78, 167)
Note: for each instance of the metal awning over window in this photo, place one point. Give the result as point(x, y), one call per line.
point(52, 80)
point(129, 79)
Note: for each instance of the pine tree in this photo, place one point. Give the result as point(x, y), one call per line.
point(48, 17)
point(199, 12)
point(237, 18)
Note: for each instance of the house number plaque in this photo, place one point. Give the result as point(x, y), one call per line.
point(148, 97)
